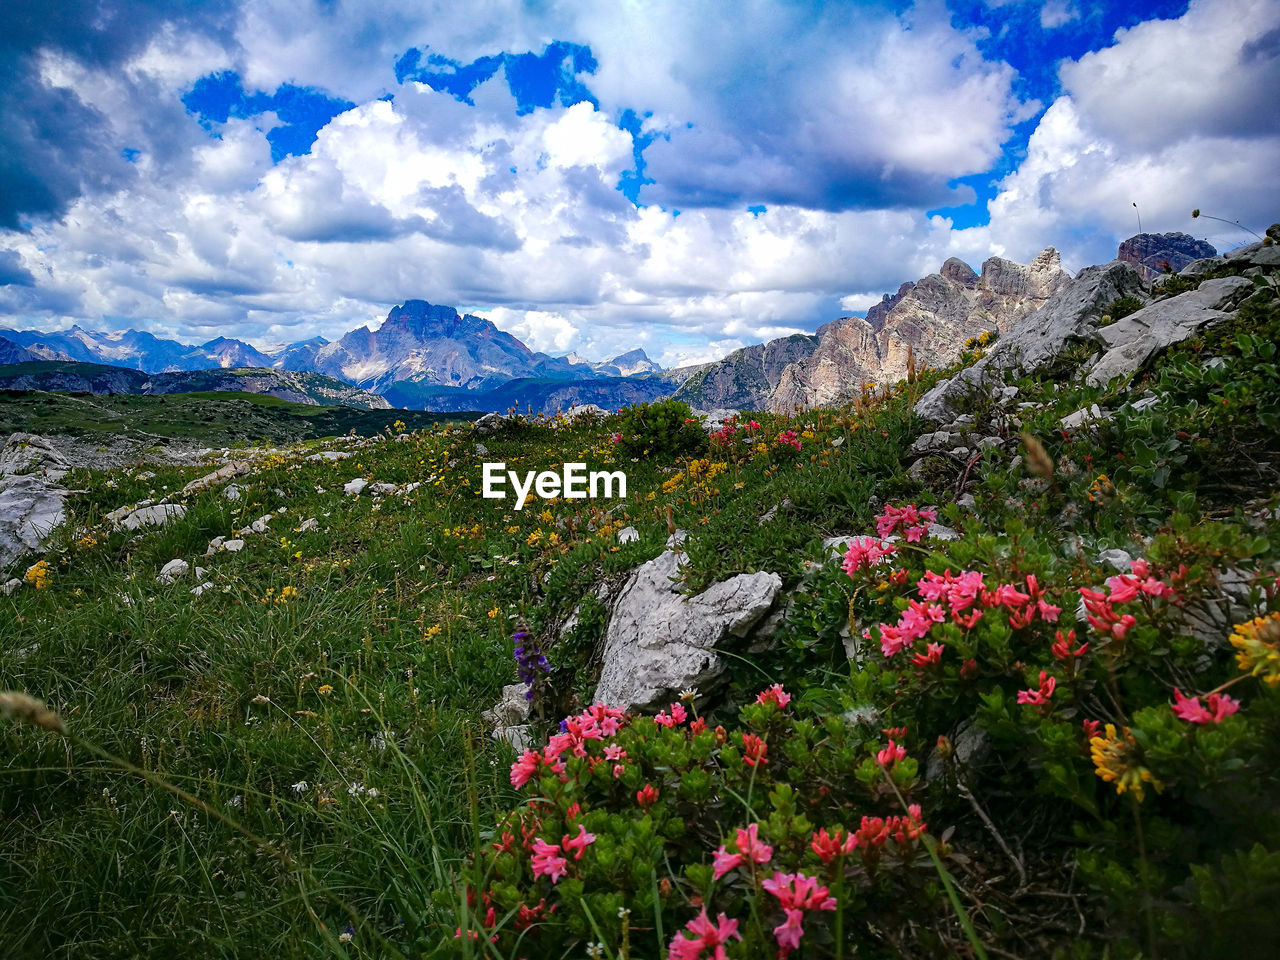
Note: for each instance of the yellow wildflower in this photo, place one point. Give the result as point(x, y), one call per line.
point(38, 574)
point(325, 690)
point(1115, 758)
point(1258, 647)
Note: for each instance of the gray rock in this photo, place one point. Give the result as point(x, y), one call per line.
point(1116, 558)
point(1198, 268)
point(156, 516)
point(588, 410)
point(260, 525)
point(30, 508)
point(221, 475)
point(659, 642)
point(932, 441)
point(30, 453)
point(172, 570)
point(1255, 255)
point(10, 586)
point(939, 531)
point(511, 709)
point(1132, 340)
point(716, 419)
point(355, 487)
point(1084, 415)
point(966, 500)
point(330, 455)
point(309, 525)
point(491, 423)
point(200, 588)
point(232, 493)
point(989, 443)
point(481, 450)
point(233, 546)
point(1143, 403)
point(383, 489)
point(1069, 316)
point(215, 545)
point(628, 535)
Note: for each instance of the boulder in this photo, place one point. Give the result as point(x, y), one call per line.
point(659, 642)
point(149, 516)
point(589, 410)
point(491, 423)
point(716, 419)
point(30, 453)
point(1069, 316)
point(221, 475)
point(329, 455)
point(1132, 340)
point(30, 508)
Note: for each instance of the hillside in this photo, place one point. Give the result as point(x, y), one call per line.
point(75, 377)
point(983, 662)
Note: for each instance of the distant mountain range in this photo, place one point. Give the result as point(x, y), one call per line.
point(74, 376)
point(430, 357)
point(422, 353)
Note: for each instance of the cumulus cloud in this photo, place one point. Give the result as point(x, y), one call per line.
point(845, 121)
point(1176, 114)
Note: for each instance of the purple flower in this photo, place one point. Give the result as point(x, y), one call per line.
point(530, 660)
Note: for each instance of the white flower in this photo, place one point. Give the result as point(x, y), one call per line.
point(301, 787)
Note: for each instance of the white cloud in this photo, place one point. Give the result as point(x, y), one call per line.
point(1058, 13)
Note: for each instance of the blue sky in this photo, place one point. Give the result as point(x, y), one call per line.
point(595, 177)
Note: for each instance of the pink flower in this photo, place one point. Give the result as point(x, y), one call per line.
point(829, 846)
point(913, 521)
point(865, 552)
point(524, 768)
point(891, 754)
point(751, 846)
point(579, 843)
point(789, 932)
point(647, 796)
point(931, 657)
point(775, 695)
point(1040, 697)
point(1220, 707)
point(1062, 648)
point(795, 891)
point(546, 860)
point(724, 862)
point(753, 750)
point(707, 936)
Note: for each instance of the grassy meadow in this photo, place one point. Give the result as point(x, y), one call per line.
point(293, 763)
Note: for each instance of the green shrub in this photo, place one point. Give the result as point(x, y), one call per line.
point(664, 429)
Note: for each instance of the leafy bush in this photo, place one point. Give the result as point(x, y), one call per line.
point(664, 429)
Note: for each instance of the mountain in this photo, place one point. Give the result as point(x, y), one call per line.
point(929, 319)
point(136, 350)
point(73, 376)
point(424, 343)
point(746, 378)
point(629, 364)
point(1157, 253)
point(298, 356)
point(11, 352)
point(230, 353)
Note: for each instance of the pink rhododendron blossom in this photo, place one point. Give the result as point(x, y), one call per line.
point(865, 552)
point(579, 843)
point(891, 754)
point(828, 846)
point(524, 768)
point(931, 657)
point(775, 695)
point(913, 521)
point(753, 750)
point(1188, 708)
point(1039, 697)
point(1061, 649)
point(546, 861)
point(706, 936)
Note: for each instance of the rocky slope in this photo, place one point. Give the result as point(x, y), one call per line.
point(931, 318)
point(1157, 253)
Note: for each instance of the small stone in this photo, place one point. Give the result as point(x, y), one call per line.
point(1117, 559)
point(10, 586)
point(172, 570)
point(355, 487)
point(200, 588)
point(1089, 414)
point(384, 489)
point(233, 546)
point(309, 525)
point(628, 535)
point(232, 493)
point(481, 450)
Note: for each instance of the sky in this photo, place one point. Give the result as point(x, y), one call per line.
point(685, 176)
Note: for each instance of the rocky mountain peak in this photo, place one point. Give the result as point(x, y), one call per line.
point(1157, 253)
point(960, 272)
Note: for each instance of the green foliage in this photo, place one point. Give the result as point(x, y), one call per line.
point(664, 429)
